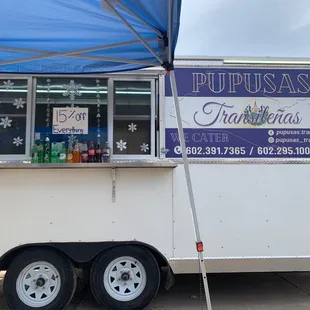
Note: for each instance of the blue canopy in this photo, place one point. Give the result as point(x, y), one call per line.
point(95, 36)
point(87, 36)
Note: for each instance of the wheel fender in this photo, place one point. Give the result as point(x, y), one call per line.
point(84, 253)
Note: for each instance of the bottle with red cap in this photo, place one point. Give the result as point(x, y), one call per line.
point(98, 153)
point(84, 153)
point(91, 152)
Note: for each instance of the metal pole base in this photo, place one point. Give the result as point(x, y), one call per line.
point(205, 280)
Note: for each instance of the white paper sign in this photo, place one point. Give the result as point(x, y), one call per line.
point(69, 121)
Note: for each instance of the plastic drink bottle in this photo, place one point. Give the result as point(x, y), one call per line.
point(98, 153)
point(40, 152)
point(70, 153)
point(63, 153)
point(76, 152)
point(54, 153)
point(84, 153)
point(106, 153)
point(91, 152)
point(47, 150)
point(34, 154)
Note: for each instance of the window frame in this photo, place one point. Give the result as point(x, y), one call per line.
point(29, 105)
point(73, 77)
point(111, 117)
point(144, 76)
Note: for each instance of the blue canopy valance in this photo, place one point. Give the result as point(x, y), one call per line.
point(87, 36)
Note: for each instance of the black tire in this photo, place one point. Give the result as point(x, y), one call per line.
point(64, 268)
point(152, 274)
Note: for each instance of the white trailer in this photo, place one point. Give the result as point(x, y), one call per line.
point(128, 222)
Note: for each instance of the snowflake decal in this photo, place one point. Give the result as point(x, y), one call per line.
point(71, 138)
point(144, 147)
point(5, 122)
point(132, 127)
point(121, 145)
point(72, 90)
point(18, 141)
point(19, 103)
point(8, 84)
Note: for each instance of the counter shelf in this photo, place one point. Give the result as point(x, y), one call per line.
point(112, 164)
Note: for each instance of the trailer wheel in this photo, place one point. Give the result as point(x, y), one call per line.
point(39, 279)
point(125, 277)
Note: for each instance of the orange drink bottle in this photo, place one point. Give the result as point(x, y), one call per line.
point(77, 153)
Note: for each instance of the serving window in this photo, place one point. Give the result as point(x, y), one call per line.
point(72, 93)
point(14, 118)
point(119, 113)
point(133, 125)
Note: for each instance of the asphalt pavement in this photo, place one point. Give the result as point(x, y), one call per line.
point(289, 291)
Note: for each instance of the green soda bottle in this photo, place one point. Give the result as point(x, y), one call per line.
point(34, 153)
point(40, 152)
point(47, 151)
point(54, 153)
point(63, 153)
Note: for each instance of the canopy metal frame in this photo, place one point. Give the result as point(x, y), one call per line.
point(77, 54)
point(165, 63)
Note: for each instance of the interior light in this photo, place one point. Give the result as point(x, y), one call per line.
point(82, 91)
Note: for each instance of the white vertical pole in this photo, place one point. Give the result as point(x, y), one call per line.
point(189, 185)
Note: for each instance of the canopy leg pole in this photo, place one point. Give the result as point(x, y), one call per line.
point(189, 187)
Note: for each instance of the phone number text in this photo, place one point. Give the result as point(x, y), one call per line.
point(254, 150)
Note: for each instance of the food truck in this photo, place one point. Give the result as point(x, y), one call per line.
point(92, 178)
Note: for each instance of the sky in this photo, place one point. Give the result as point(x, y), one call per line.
point(253, 28)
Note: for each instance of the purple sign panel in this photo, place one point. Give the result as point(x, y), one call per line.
point(241, 113)
point(227, 82)
point(240, 143)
